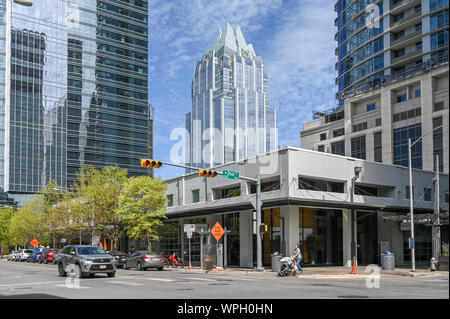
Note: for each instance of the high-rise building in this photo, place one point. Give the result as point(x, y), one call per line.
point(381, 39)
point(405, 95)
point(230, 118)
point(73, 90)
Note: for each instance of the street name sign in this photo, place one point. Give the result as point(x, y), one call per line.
point(217, 231)
point(230, 174)
point(189, 228)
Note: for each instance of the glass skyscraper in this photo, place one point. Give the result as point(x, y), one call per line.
point(379, 40)
point(73, 90)
point(230, 118)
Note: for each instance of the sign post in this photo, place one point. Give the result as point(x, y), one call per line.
point(189, 229)
point(217, 231)
point(201, 229)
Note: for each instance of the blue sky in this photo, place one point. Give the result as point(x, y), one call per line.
point(295, 39)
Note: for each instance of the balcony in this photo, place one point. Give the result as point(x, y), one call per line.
point(404, 22)
point(406, 57)
point(407, 39)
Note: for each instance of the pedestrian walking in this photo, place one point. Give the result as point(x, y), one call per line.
point(297, 255)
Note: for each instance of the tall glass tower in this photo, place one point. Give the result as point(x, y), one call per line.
point(230, 118)
point(73, 90)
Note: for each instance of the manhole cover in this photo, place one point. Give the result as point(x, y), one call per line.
point(353, 297)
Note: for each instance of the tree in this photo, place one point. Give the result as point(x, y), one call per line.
point(30, 221)
point(51, 194)
point(97, 201)
point(142, 207)
point(6, 214)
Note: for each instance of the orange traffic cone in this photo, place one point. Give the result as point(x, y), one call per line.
point(354, 268)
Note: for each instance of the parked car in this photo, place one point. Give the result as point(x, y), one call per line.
point(85, 260)
point(119, 257)
point(48, 255)
point(144, 260)
point(11, 255)
point(24, 253)
point(34, 256)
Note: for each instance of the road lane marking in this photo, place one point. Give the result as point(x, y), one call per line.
point(126, 283)
point(159, 279)
point(199, 279)
point(65, 286)
point(33, 283)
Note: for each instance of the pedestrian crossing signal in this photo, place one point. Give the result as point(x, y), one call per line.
point(150, 163)
point(207, 173)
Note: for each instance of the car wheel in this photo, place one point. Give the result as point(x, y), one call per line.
point(78, 272)
point(61, 272)
point(111, 274)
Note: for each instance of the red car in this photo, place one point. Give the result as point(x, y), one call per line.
point(48, 255)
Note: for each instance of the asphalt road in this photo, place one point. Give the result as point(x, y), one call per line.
point(24, 280)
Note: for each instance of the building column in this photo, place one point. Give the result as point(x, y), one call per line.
point(246, 239)
point(290, 213)
point(426, 101)
point(386, 126)
point(347, 237)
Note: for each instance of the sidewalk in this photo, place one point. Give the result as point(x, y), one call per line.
point(323, 272)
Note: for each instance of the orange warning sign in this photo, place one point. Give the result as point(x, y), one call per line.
point(34, 242)
point(217, 231)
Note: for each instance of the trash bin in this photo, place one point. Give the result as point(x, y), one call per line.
point(209, 256)
point(276, 263)
point(387, 261)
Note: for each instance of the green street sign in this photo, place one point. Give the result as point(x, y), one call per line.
point(230, 174)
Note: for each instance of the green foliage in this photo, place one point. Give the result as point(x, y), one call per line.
point(30, 221)
point(142, 207)
point(445, 250)
point(6, 214)
point(96, 199)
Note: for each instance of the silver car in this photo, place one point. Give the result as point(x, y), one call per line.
point(23, 254)
point(144, 260)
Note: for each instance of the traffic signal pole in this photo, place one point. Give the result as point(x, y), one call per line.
point(257, 181)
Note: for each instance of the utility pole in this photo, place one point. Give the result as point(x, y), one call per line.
point(259, 266)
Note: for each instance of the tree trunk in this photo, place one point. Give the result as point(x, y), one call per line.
point(149, 245)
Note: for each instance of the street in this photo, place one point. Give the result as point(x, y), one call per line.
point(24, 280)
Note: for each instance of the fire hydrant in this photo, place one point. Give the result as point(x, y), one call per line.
point(433, 263)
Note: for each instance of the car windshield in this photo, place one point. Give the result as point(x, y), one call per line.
point(28, 251)
point(91, 251)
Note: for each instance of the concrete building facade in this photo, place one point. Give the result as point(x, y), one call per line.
point(306, 198)
point(376, 125)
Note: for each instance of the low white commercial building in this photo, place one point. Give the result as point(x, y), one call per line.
point(307, 199)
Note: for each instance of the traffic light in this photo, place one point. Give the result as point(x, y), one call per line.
point(150, 163)
point(263, 228)
point(207, 173)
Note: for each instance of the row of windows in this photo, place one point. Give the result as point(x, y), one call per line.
point(108, 145)
point(438, 20)
point(112, 132)
point(439, 39)
point(122, 11)
point(102, 102)
point(359, 55)
point(122, 38)
point(122, 25)
point(407, 114)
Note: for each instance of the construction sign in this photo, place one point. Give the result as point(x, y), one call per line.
point(34, 242)
point(217, 231)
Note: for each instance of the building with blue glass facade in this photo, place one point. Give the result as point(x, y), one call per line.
point(73, 90)
point(230, 118)
point(393, 84)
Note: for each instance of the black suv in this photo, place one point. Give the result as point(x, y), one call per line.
point(85, 260)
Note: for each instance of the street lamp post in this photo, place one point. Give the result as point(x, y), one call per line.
point(411, 202)
point(357, 171)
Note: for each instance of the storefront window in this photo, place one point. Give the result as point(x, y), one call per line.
point(320, 236)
